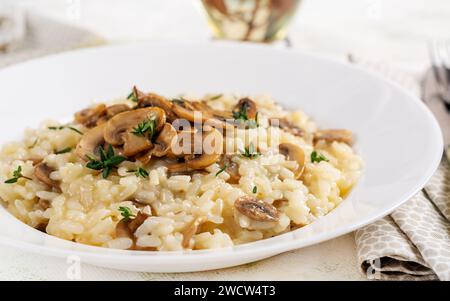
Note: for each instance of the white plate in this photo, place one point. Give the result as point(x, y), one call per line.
point(397, 136)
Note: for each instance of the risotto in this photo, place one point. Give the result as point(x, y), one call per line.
point(156, 174)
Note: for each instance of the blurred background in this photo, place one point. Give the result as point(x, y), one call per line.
point(383, 30)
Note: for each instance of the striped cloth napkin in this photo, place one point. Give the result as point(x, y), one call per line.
point(413, 243)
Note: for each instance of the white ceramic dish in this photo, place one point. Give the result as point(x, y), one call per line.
point(397, 136)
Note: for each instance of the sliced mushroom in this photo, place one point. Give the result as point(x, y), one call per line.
point(163, 144)
point(256, 210)
point(232, 168)
point(246, 105)
point(89, 143)
point(43, 204)
point(294, 153)
point(118, 130)
point(113, 110)
point(204, 107)
point(192, 230)
point(186, 110)
point(42, 172)
point(126, 229)
point(287, 126)
point(155, 100)
point(338, 135)
point(89, 117)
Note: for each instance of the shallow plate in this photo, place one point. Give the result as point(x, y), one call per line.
point(397, 136)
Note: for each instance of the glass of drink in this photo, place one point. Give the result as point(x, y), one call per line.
point(263, 21)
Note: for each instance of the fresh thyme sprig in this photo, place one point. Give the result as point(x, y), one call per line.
point(222, 170)
point(241, 116)
point(146, 126)
point(58, 128)
point(250, 152)
point(316, 157)
point(133, 96)
point(107, 161)
point(215, 97)
point(17, 174)
point(140, 172)
point(64, 151)
point(126, 213)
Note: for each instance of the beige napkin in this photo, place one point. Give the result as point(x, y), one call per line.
point(413, 243)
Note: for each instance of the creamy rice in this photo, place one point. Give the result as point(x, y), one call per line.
point(87, 207)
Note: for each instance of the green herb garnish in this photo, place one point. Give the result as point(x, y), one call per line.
point(241, 116)
point(58, 128)
point(250, 152)
point(146, 126)
point(316, 157)
point(140, 172)
point(126, 213)
point(255, 189)
point(64, 151)
point(215, 97)
point(222, 170)
point(17, 174)
point(107, 161)
point(133, 96)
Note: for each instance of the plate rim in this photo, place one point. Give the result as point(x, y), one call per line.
point(278, 247)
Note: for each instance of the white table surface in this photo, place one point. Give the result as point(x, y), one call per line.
point(392, 31)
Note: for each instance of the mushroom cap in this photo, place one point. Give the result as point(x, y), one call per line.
point(191, 230)
point(90, 141)
point(42, 172)
point(257, 210)
point(232, 169)
point(212, 146)
point(118, 130)
point(163, 144)
point(90, 116)
point(294, 153)
point(126, 121)
point(248, 105)
point(155, 100)
point(113, 110)
point(196, 111)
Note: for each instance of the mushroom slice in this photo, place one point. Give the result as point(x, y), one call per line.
point(212, 150)
point(186, 110)
point(163, 144)
point(294, 153)
point(192, 230)
point(204, 107)
point(183, 109)
point(338, 135)
point(232, 168)
point(113, 110)
point(287, 126)
point(155, 100)
point(126, 228)
point(90, 116)
point(256, 210)
point(248, 106)
point(89, 143)
point(42, 172)
point(118, 130)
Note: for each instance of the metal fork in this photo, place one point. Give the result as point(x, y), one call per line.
point(440, 59)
